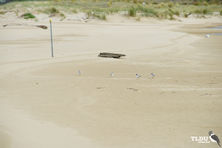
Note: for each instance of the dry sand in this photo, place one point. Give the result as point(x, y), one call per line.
point(45, 103)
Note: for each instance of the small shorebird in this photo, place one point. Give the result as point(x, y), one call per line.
point(152, 75)
point(138, 76)
point(79, 72)
point(207, 35)
point(214, 138)
point(112, 74)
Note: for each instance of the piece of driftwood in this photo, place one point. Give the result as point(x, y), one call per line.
point(39, 26)
point(110, 55)
point(42, 26)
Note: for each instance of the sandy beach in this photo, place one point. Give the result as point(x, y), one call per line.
point(78, 99)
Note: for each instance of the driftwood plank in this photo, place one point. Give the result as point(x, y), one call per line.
point(110, 55)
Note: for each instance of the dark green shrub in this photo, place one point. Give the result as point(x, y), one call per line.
point(28, 16)
point(74, 11)
point(205, 3)
point(187, 14)
point(101, 16)
point(170, 5)
point(177, 13)
point(198, 11)
point(2, 12)
point(135, 1)
point(132, 12)
point(205, 11)
point(53, 10)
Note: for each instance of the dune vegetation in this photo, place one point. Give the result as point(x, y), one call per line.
point(99, 9)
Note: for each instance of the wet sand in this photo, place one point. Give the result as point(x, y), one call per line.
point(45, 102)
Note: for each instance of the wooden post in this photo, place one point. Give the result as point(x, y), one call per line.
point(52, 54)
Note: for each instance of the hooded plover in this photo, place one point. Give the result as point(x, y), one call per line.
point(79, 72)
point(112, 74)
point(138, 76)
point(152, 75)
point(214, 138)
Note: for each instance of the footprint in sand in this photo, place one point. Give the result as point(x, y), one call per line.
point(133, 89)
point(100, 87)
